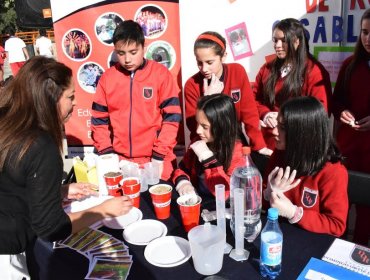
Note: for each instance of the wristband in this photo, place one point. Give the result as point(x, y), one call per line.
point(298, 214)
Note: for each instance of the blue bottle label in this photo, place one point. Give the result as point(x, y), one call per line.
point(271, 252)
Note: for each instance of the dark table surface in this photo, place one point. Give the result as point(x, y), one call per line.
point(298, 247)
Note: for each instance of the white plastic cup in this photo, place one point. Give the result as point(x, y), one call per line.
point(151, 173)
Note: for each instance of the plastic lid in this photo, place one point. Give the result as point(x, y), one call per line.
point(246, 150)
point(272, 213)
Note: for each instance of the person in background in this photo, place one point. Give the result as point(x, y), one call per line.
point(215, 76)
point(136, 110)
point(294, 72)
point(317, 200)
point(16, 52)
point(33, 108)
point(351, 109)
point(43, 44)
point(2, 60)
point(215, 153)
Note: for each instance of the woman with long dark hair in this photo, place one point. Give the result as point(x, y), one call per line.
point(294, 72)
point(33, 108)
point(317, 200)
point(351, 109)
point(211, 159)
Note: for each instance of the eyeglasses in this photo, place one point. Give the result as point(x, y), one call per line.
point(275, 40)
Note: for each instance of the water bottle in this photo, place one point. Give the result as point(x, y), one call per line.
point(271, 246)
point(248, 177)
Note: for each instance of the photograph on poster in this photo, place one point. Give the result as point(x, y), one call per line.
point(112, 59)
point(152, 20)
point(89, 74)
point(238, 39)
point(332, 58)
point(105, 26)
point(161, 52)
point(76, 44)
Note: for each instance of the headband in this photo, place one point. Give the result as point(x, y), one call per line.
point(212, 38)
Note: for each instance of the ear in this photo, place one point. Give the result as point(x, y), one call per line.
point(296, 43)
point(223, 58)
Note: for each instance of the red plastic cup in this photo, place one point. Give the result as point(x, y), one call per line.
point(131, 188)
point(189, 213)
point(112, 180)
point(161, 198)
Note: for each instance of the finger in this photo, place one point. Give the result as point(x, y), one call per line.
point(292, 176)
point(286, 174)
point(213, 79)
point(273, 173)
point(205, 84)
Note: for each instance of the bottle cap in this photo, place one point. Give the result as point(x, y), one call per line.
point(273, 213)
point(246, 150)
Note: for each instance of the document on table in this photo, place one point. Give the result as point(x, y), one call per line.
point(320, 270)
point(349, 255)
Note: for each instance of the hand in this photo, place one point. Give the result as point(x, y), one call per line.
point(363, 124)
point(265, 151)
point(185, 187)
point(116, 206)
point(201, 149)
point(280, 181)
point(216, 86)
point(80, 191)
point(347, 118)
point(161, 166)
point(283, 204)
point(270, 119)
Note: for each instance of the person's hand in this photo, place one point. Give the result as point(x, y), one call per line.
point(280, 181)
point(363, 124)
point(270, 119)
point(116, 206)
point(201, 149)
point(216, 86)
point(347, 118)
point(79, 191)
point(265, 151)
point(185, 187)
point(286, 208)
point(160, 166)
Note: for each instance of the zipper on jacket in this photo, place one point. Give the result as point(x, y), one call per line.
point(129, 122)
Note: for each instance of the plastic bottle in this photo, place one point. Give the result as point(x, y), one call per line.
point(249, 178)
point(271, 246)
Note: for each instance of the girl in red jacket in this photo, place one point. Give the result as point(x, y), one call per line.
point(215, 76)
point(294, 72)
point(317, 201)
point(212, 158)
point(351, 108)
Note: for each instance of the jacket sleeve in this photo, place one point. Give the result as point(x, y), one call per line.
point(183, 172)
point(169, 105)
point(258, 88)
point(100, 121)
point(319, 85)
point(333, 204)
point(192, 94)
point(215, 173)
point(249, 115)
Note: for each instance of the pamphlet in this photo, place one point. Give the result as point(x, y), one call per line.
point(349, 255)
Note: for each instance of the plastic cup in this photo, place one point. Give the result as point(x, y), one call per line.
point(190, 210)
point(161, 198)
point(131, 188)
point(152, 172)
point(112, 181)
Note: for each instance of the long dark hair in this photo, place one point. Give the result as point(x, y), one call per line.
point(296, 58)
point(221, 114)
point(308, 140)
point(360, 54)
point(29, 104)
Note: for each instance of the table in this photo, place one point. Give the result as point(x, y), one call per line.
point(298, 247)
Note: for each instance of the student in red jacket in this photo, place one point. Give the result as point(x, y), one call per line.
point(294, 72)
point(211, 159)
point(351, 108)
point(317, 201)
point(214, 76)
point(136, 110)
